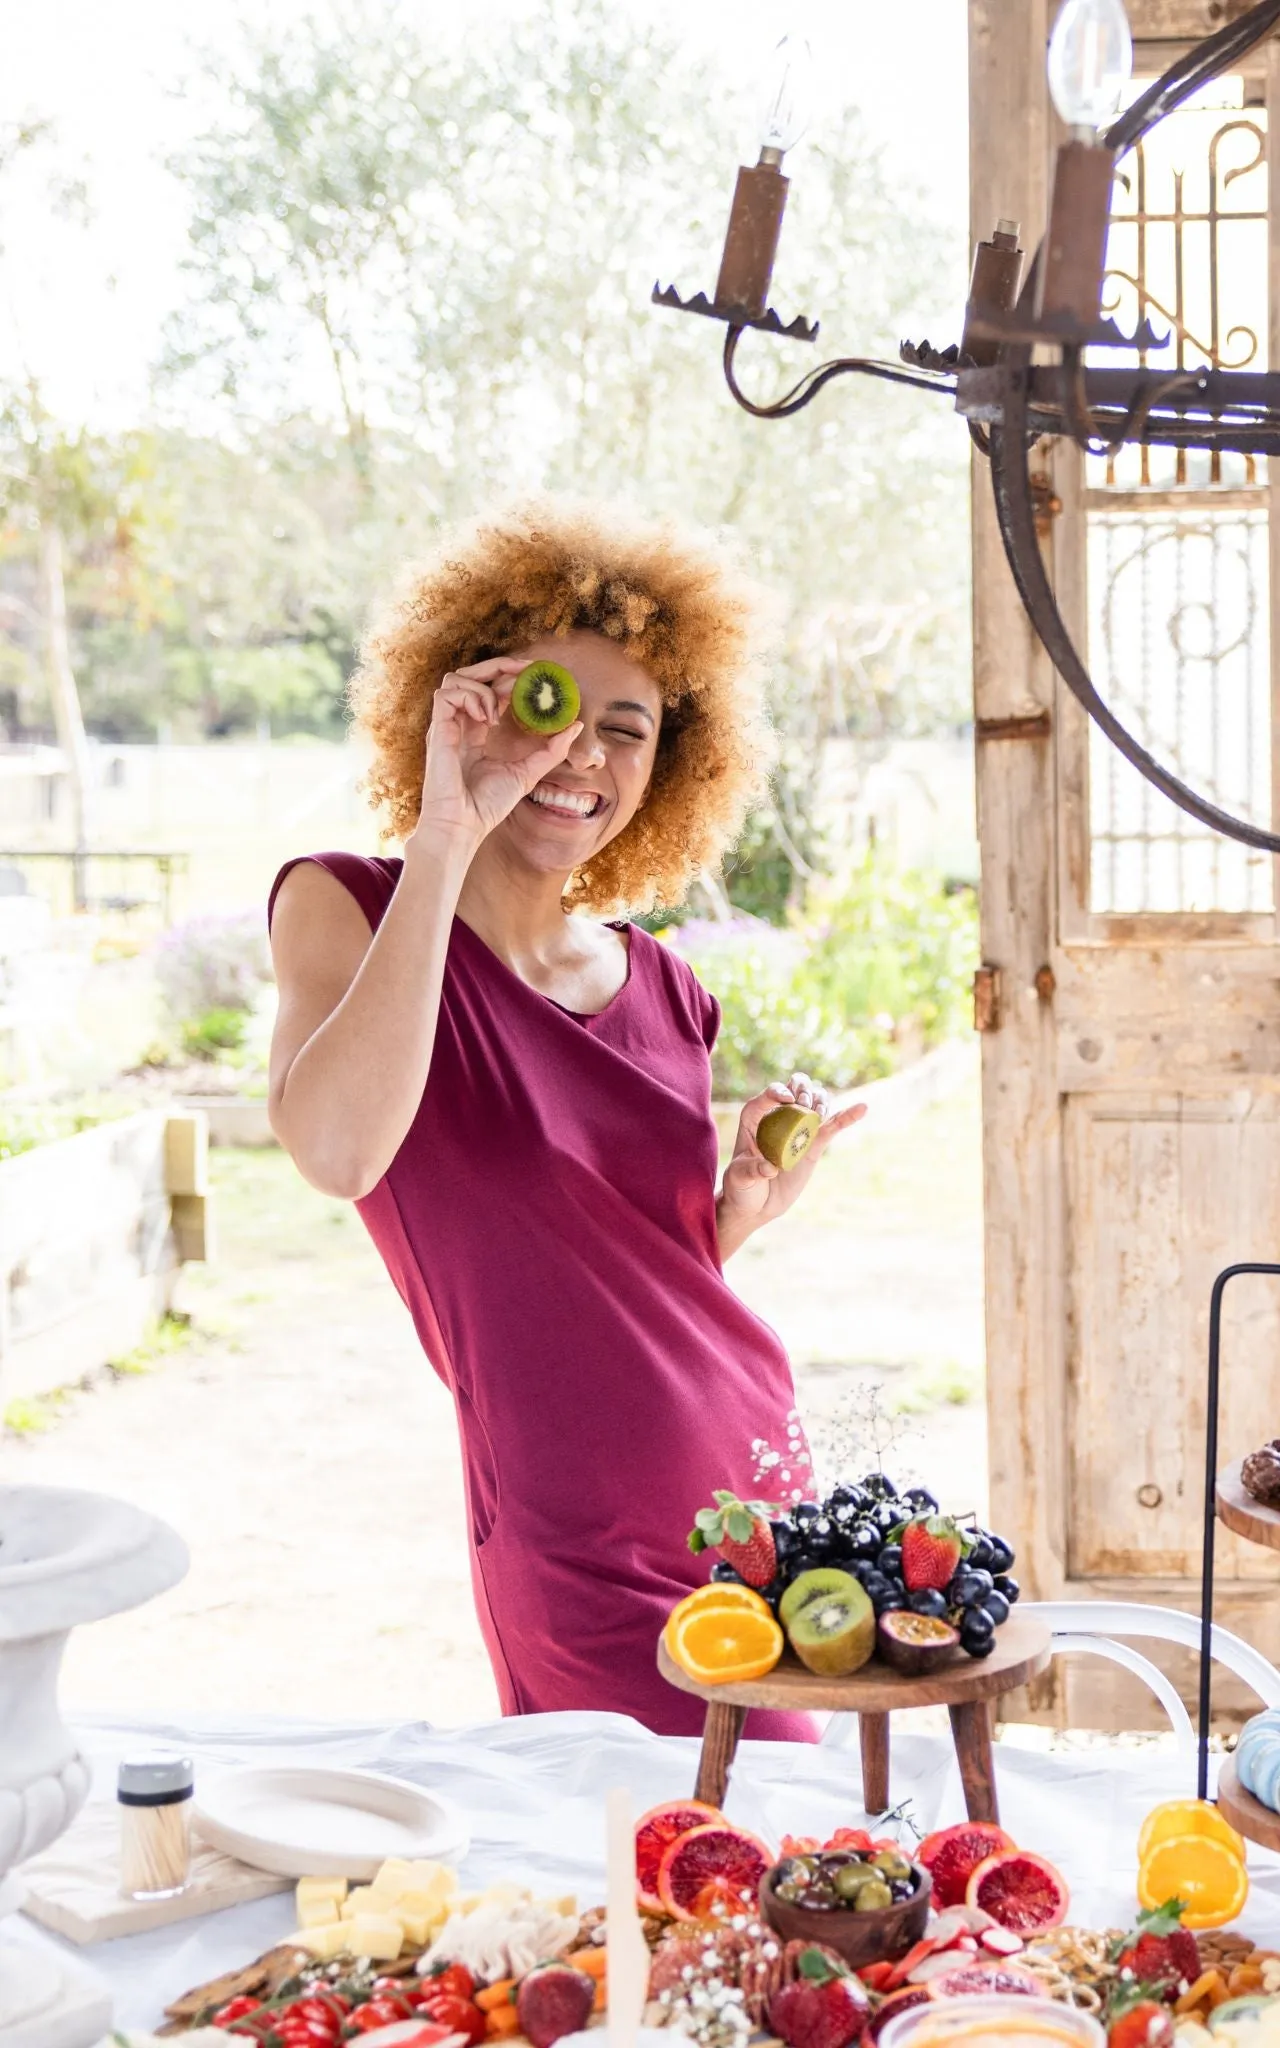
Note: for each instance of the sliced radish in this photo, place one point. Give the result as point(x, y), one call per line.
point(1001, 1941)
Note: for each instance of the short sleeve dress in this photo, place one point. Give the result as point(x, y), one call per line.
point(550, 1223)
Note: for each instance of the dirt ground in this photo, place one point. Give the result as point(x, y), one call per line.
point(308, 1454)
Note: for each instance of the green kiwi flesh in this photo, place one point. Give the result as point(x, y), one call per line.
point(786, 1133)
point(812, 1585)
point(545, 698)
point(833, 1629)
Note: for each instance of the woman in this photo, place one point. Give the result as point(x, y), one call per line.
point(518, 1100)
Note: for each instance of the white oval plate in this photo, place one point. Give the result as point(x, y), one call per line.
point(300, 1822)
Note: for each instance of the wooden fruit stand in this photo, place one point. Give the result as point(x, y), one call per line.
point(966, 1688)
point(1238, 1511)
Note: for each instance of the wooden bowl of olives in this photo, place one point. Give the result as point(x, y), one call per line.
point(869, 1906)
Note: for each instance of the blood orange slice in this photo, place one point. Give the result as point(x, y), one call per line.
point(711, 1866)
point(985, 1980)
point(655, 1832)
point(953, 1854)
point(1022, 1892)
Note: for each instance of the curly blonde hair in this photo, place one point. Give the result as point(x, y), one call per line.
point(675, 607)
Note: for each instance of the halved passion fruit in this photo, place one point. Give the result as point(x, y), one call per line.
point(915, 1644)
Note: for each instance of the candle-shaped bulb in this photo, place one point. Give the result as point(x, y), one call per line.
point(786, 96)
point(1090, 62)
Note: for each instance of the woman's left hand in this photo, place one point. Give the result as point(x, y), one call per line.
point(755, 1192)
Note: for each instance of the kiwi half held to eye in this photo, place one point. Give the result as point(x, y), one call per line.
point(786, 1133)
point(545, 698)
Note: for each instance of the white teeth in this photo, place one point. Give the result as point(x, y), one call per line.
point(565, 800)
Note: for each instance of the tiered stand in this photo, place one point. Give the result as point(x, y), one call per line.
point(1244, 1516)
point(966, 1688)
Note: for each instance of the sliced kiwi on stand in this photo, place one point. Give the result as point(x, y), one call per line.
point(812, 1585)
point(832, 1629)
point(545, 698)
point(786, 1133)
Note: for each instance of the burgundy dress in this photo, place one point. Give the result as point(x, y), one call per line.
point(550, 1223)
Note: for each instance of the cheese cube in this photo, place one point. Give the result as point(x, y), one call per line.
point(566, 1908)
point(317, 1912)
point(312, 1888)
point(324, 1943)
point(434, 1878)
point(362, 1900)
point(419, 1928)
point(394, 1876)
point(375, 1935)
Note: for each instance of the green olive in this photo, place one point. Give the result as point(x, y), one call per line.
point(873, 1897)
point(892, 1864)
point(852, 1878)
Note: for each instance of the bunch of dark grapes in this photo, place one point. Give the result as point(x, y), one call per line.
point(853, 1529)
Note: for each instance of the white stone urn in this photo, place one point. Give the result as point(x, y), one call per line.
point(66, 1557)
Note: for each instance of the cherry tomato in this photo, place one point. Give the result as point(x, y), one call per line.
point(236, 2009)
point(326, 2014)
point(458, 2014)
point(399, 1987)
point(377, 2012)
point(295, 2030)
point(455, 1977)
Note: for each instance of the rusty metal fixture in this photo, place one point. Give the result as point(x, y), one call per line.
point(1069, 278)
point(993, 292)
point(986, 999)
point(1046, 983)
point(1010, 401)
point(751, 240)
point(1047, 503)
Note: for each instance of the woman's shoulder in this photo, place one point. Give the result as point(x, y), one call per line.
point(681, 987)
point(369, 878)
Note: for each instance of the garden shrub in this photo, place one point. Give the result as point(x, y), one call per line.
point(879, 962)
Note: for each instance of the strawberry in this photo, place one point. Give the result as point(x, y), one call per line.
point(825, 2007)
point(1160, 1952)
point(932, 1547)
point(1137, 2019)
point(741, 1530)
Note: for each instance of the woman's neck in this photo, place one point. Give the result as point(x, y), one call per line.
point(516, 910)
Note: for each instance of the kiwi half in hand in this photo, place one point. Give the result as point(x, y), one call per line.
point(786, 1133)
point(545, 698)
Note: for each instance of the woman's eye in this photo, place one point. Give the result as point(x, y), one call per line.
point(624, 732)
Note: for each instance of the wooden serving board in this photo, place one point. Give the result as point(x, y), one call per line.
point(1245, 1516)
point(1022, 1651)
point(74, 1887)
point(1247, 1815)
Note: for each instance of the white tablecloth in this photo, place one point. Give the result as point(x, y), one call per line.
point(533, 1790)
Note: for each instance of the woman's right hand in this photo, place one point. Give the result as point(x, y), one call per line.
point(480, 764)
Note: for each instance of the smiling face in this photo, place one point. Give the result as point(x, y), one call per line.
point(598, 789)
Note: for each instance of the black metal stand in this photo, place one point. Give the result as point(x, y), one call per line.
point(1210, 1507)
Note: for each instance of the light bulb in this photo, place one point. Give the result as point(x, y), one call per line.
point(786, 96)
point(1090, 62)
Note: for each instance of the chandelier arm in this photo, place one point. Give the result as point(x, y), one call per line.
point(1015, 512)
point(1086, 431)
point(1199, 67)
point(811, 383)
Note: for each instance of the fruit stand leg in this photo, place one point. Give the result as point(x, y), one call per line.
point(873, 1735)
point(971, 1733)
point(720, 1735)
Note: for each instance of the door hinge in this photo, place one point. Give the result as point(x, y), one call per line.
point(1031, 725)
point(986, 999)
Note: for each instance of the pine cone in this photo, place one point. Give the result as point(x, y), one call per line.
point(1260, 1474)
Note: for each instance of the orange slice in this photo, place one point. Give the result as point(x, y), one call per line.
point(714, 1595)
point(726, 1645)
point(1207, 1874)
point(1181, 1817)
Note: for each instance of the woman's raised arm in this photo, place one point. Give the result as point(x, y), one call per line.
point(357, 1020)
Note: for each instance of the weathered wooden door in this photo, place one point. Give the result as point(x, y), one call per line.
point(1132, 1072)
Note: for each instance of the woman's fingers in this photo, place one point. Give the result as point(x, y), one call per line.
point(803, 1091)
point(542, 759)
point(843, 1120)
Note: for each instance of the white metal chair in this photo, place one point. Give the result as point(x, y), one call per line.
point(1090, 1626)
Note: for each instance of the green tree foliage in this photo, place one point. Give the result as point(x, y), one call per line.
point(418, 277)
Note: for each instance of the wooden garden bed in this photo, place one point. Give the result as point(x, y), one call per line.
point(93, 1230)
